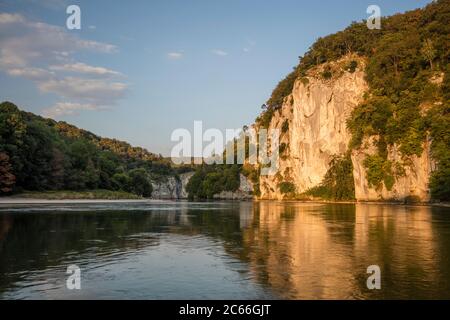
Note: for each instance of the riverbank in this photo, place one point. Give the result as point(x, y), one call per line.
point(36, 198)
point(72, 195)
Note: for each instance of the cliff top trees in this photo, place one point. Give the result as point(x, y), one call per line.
point(403, 106)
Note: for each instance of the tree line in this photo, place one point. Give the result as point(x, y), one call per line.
point(38, 154)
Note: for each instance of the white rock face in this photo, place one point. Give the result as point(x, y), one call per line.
point(184, 179)
point(316, 112)
point(172, 188)
point(413, 184)
point(166, 189)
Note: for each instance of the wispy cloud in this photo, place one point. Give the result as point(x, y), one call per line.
point(249, 47)
point(31, 73)
point(219, 52)
point(83, 68)
point(45, 54)
point(175, 55)
point(94, 90)
point(68, 108)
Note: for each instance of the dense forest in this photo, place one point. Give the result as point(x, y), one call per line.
point(38, 154)
point(408, 101)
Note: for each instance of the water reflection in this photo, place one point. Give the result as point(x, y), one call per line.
point(225, 250)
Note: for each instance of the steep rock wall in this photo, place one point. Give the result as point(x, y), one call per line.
point(316, 113)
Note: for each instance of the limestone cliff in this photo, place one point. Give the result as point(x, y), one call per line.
point(411, 185)
point(312, 124)
point(175, 188)
point(171, 188)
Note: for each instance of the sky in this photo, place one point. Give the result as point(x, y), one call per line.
point(139, 69)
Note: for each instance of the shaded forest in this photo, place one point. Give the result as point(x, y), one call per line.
point(38, 154)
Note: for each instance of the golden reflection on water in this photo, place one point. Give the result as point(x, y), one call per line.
point(323, 251)
point(287, 250)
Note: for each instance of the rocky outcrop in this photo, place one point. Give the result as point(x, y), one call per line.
point(245, 191)
point(175, 188)
point(411, 185)
point(312, 123)
point(315, 114)
point(171, 187)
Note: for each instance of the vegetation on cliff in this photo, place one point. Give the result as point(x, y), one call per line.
point(408, 101)
point(338, 183)
point(38, 154)
point(209, 180)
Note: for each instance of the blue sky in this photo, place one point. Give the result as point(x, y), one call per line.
point(137, 70)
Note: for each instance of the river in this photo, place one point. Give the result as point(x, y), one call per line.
point(224, 250)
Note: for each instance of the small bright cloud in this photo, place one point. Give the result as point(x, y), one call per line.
point(219, 52)
point(68, 108)
point(249, 47)
point(175, 55)
point(83, 68)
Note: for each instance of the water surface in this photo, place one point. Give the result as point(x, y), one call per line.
point(224, 250)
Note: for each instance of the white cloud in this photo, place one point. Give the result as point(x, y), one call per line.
point(31, 73)
point(83, 68)
point(8, 18)
point(23, 42)
point(175, 55)
point(68, 108)
point(44, 54)
point(219, 52)
point(93, 90)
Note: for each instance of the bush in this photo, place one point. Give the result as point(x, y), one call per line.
point(351, 66)
point(338, 183)
point(210, 180)
point(327, 75)
point(286, 188)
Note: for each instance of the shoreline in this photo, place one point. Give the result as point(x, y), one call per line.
point(17, 200)
point(14, 200)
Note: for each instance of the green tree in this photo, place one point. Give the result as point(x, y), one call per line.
point(7, 178)
point(428, 52)
point(140, 182)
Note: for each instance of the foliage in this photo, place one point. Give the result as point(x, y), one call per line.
point(378, 170)
point(440, 131)
point(210, 180)
point(286, 188)
point(338, 183)
point(401, 58)
point(7, 179)
point(69, 194)
point(351, 66)
point(42, 154)
point(285, 126)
